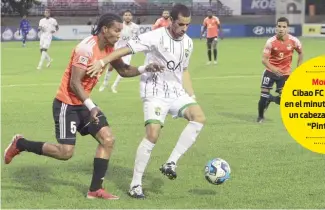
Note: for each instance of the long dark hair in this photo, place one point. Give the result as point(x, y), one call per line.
point(105, 20)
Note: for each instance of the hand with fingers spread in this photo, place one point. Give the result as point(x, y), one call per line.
point(95, 68)
point(154, 67)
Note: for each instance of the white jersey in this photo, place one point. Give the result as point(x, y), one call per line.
point(159, 47)
point(128, 32)
point(48, 25)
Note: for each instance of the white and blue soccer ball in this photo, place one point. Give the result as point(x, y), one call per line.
point(217, 171)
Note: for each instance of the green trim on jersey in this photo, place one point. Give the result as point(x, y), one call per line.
point(153, 122)
point(181, 110)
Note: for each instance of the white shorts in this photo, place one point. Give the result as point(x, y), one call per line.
point(156, 109)
point(45, 41)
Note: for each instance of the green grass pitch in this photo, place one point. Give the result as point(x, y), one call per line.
point(269, 169)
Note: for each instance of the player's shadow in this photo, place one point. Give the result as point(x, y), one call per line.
point(119, 173)
point(202, 192)
point(40, 179)
point(121, 176)
point(251, 118)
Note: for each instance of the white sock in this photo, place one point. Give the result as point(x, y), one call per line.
point(107, 76)
point(141, 161)
point(47, 56)
point(185, 141)
point(43, 56)
point(117, 80)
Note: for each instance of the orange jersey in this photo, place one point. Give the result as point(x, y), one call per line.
point(86, 52)
point(161, 22)
point(280, 52)
point(212, 25)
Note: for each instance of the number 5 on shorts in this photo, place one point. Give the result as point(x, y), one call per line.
point(73, 127)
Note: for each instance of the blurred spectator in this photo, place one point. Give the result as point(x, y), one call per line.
point(138, 21)
point(89, 22)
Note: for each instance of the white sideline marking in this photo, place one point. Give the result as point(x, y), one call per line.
point(133, 80)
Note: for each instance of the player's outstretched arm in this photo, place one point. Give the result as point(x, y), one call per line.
point(203, 30)
point(187, 83)
point(125, 70)
point(300, 58)
point(219, 28)
point(97, 66)
point(298, 49)
point(142, 43)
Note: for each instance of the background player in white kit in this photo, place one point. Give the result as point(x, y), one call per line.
point(169, 92)
point(129, 31)
point(47, 26)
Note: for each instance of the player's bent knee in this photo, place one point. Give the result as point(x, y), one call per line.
point(195, 113)
point(66, 151)
point(152, 132)
point(152, 136)
point(108, 142)
point(200, 118)
point(106, 137)
point(197, 116)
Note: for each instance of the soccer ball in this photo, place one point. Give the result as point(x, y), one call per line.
point(217, 171)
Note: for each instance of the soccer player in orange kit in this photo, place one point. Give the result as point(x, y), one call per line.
point(73, 110)
point(212, 25)
point(277, 59)
point(164, 21)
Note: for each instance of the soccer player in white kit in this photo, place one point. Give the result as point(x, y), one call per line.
point(47, 26)
point(129, 31)
point(169, 92)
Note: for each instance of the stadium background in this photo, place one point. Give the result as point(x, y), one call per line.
point(240, 18)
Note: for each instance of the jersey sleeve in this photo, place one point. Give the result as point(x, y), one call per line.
point(267, 48)
point(298, 45)
point(142, 43)
point(156, 25)
point(55, 23)
point(83, 56)
point(188, 53)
